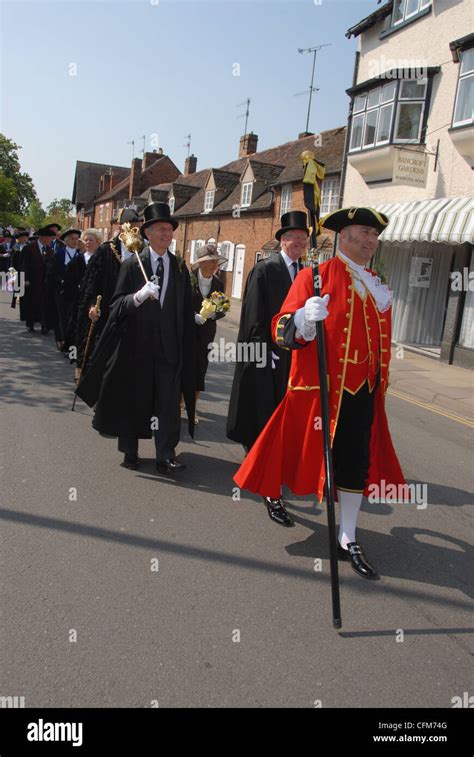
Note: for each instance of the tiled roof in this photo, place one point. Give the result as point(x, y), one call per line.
point(278, 165)
point(86, 180)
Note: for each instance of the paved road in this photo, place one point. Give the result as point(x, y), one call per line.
point(85, 566)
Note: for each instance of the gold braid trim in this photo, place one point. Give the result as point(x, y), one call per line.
point(280, 330)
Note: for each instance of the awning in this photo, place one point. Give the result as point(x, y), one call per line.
point(447, 219)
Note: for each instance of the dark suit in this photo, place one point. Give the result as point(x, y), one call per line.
point(63, 281)
point(36, 304)
point(143, 361)
point(204, 334)
point(256, 391)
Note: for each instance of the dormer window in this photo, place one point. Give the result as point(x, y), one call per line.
point(171, 204)
point(246, 194)
point(403, 10)
point(209, 201)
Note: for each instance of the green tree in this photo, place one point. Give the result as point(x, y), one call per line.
point(62, 212)
point(35, 217)
point(8, 200)
point(10, 165)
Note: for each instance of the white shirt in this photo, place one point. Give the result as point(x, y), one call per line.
point(125, 253)
point(87, 257)
point(358, 283)
point(204, 283)
point(289, 263)
point(69, 253)
point(166, 270)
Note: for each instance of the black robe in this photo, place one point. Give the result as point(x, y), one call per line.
point(37, 305)
point(101, 277)
point(204, 334)
point(120, 379)
point(256, 391)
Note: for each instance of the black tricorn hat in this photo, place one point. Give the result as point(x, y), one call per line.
point(54, 225)
point(70, 231)
point(45, 232)
point(128, 215)
point(22, 233)
point(156, 212)
point(295, 219)
point(339, 219)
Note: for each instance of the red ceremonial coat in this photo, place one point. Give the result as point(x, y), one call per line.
point(289, 451)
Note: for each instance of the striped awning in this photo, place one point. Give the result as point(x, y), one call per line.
point(447, 219)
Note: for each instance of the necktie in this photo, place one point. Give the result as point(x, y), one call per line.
point(160, 273)
point(294, 266)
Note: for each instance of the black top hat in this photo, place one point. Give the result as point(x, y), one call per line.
point(295, 219)
point(156, 212)
point(70, 231)
point(45, 232)
point(22, 233)
point(53, 225)
point(128, 215)
point(339, 219)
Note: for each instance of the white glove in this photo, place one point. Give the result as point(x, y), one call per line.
point(274, 359)
point(314, 309)
point(199, 319)
point(148, 290)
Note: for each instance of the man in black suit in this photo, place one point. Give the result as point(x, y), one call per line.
point(63, 283)
point(36, 305)
point(145, 356)
point(258, 388)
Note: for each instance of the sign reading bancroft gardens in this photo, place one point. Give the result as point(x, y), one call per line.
point(410, 167)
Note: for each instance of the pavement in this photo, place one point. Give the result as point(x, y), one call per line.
point(126, 589)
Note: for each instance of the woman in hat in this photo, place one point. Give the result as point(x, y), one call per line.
point(204, 282)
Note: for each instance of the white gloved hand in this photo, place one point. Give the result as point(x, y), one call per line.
point(274, 359)
point(148, 290)
point(314, 309)
point(199, 319)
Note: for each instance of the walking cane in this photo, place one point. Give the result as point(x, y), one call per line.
point(312, 205)
point(87, 347)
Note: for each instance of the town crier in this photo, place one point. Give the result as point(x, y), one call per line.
point(356, 309)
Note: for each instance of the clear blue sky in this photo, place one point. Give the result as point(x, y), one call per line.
point(165, 67)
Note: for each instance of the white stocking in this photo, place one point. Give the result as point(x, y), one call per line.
point(350, 503)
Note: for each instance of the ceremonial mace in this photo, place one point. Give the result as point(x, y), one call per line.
point(310, 182)
point(132, 240)
point(87, 347)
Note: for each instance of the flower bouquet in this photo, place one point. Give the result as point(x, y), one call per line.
point(217, 302)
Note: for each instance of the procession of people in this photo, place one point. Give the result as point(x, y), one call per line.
point(134, 319)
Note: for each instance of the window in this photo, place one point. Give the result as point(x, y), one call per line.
point(101, 213)
point(246, 194)
point(227, 250)
point(329, 196)
point(172, 247)
point(463, 111)
point(105, 234)
point(195, 244)
point(285, 205)
point(209, 201)
point(406, 9)
point(107, 212)
point(171, 204)
point(374, 113)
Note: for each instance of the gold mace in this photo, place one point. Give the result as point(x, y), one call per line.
point(88, 344)
point(132, 240)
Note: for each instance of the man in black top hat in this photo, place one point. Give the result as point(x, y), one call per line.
point(258, 389)
point(145, 357)
point(36, 258)
point(63, 283)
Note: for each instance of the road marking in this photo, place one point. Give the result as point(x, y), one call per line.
point(429, 406)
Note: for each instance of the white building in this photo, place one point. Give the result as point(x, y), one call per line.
point(409, 153)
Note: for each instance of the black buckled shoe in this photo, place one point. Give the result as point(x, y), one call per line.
point(131, 461)
point(277, 512)
point(358, 560)
point(170, 465)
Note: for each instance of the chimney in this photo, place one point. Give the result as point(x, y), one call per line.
point(102, 184)
point(248, 144)
point(135, 177)
point(190, 165)
point(305, 134)
point(151, 157)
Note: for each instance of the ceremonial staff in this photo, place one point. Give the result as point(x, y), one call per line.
point(87, 347)
point(133, 242)
point(314, 171)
